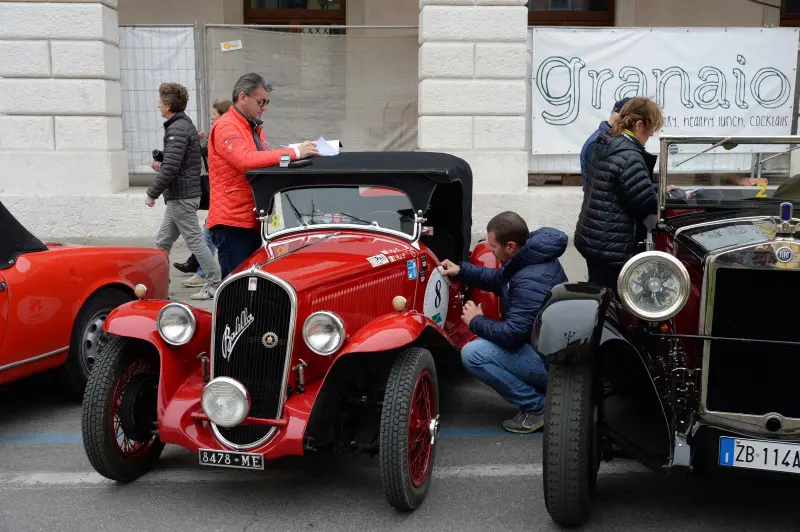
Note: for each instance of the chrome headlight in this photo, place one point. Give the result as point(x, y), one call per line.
point(225, 401)
point(323, 333)
point(176, 324)
point(654, 285)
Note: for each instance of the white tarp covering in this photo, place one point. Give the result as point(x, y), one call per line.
point(360, 87)
point(149, 56)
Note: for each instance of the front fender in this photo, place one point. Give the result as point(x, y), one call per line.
point(390, 332)
point(570, 323)
point(137, 320)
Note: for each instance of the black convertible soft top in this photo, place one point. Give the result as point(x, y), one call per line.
point(15, 239)
point(438, 184)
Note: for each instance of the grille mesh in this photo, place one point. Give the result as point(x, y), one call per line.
point(261, 370)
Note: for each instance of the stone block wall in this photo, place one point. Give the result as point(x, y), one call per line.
point(60, 115)
point(472, 69)
point(472, 103)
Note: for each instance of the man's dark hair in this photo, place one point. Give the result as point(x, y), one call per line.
point(508, 227)
point(248, 85)
point(174, 95)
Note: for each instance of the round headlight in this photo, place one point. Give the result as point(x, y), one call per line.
point(176, 324)
point(323, 333)
point(225, 401)
point(654, 285)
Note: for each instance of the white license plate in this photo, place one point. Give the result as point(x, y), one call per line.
point(759, 454)
point(210, 457)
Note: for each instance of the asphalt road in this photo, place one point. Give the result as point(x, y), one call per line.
point(484, 479)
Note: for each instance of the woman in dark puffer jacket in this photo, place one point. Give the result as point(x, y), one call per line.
point(619, 192)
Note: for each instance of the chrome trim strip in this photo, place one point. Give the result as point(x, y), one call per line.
point(289, 350)
point(733, 421)
point(324, 227)
point(749, 424)
point(33, 359)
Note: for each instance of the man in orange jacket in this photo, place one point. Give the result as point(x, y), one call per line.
point(237, 144)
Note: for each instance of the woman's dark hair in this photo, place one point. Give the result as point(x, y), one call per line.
point(636, 109)
point(174, 95)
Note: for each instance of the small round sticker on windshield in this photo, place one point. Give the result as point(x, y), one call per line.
point(673, 149)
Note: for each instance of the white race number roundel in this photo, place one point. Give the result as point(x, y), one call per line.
point(437, 298)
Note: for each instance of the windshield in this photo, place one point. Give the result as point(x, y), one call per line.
point(731, 173)
point(378, 207)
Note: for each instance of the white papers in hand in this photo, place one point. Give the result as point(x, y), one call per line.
point(325, 147)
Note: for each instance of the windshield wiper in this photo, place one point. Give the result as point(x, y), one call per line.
point(373, 222)
point(296, 212)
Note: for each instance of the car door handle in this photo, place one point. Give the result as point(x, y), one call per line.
point(3, 287)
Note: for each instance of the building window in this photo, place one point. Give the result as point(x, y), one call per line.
point(790, 13)
point(571, 12)
point(295, 12)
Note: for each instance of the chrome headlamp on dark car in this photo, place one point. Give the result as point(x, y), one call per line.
point(654, 285)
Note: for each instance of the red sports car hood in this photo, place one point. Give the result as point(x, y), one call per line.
point(329, 255)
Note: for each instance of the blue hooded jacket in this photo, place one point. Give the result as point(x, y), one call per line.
point(588, 148)
point(522, 284)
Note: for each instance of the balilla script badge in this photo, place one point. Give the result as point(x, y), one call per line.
point(229, 339)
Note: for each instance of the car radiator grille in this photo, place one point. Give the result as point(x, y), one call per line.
point(754, 378)
point(259, 369)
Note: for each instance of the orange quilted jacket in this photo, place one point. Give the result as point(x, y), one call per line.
point(236, 145)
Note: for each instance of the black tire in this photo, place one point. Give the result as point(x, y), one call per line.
point(404, 490)
point(130, 362)
point(571, 452)
point(93, 312)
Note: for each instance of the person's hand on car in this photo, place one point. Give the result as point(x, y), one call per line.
point(449, 269)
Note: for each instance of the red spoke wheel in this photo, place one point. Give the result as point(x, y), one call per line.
point(409, 428)
point(119, 417)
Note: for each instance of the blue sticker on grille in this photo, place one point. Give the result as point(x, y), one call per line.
point(412, 269)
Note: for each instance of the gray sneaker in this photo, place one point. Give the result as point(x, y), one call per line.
point(525, 422)
point(205, 293)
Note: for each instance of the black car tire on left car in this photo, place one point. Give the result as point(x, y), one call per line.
point(86, 337)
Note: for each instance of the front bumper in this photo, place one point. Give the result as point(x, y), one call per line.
point(182, 422)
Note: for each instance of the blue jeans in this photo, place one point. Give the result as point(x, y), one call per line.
point(519, 377)
point(211, 246)
point(234, 246)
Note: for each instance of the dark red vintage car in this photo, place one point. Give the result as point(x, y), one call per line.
point(689, 367)
point(325, 339)
point(55, 297)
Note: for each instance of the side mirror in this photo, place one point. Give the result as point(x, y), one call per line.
point(427, 230)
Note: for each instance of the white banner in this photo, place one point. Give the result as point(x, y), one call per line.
point(708, 81)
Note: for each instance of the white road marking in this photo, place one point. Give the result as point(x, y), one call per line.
point(46, 479)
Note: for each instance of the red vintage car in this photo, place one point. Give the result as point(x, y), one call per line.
point(688, 367)
point(55, 297)
point(325, 339)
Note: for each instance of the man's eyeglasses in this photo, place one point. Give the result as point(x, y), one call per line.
point(263, 102)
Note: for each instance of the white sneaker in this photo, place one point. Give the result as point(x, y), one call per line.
point(195, 281)
point(205, 293)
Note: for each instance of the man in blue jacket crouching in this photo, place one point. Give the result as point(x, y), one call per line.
point(502, 356)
